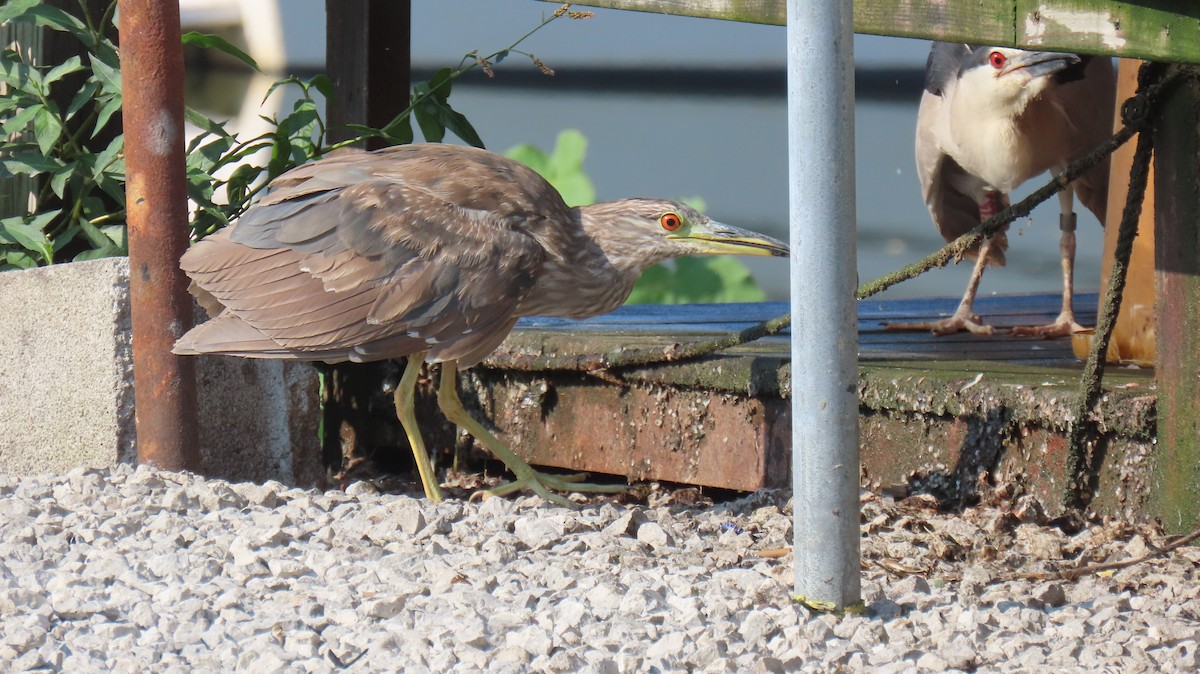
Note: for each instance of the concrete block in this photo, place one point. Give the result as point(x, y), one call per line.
point(66, 386)
point(65, 367)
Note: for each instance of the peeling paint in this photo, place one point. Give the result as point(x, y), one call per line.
point(1047, 19)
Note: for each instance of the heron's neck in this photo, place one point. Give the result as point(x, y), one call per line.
point(588, 272)
point(990, 137)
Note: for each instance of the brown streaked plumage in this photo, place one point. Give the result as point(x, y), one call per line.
point(433, 252)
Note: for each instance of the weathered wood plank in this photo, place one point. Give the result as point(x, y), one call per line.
point(1165, 30)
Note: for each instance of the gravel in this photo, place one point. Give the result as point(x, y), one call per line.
point(132, 569)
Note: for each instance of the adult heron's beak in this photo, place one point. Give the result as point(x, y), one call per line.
point(1039, 63)
point(715, 238)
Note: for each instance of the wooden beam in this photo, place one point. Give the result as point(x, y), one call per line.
point(1177, 261)
point(1165, 30)
point(368, 60)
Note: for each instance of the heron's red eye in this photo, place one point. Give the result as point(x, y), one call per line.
point(670, 221)
point(997, 60)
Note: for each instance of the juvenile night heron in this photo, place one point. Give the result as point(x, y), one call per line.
point(430, 252)
point(992, 118)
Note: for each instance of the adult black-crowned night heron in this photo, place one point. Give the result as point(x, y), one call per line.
point(430, 252)
point(992, 118)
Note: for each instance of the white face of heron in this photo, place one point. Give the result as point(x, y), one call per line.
point(1000, 81)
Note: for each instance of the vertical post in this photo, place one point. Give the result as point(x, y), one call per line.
point(825, 483)
point(368, 59)
point(156, 203)
point(1177, 263)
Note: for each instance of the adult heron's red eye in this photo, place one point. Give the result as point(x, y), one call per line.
point(670, 221)
point(997, 60)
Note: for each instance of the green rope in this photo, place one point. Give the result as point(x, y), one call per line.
point(1083, 428)
point(1136, 113)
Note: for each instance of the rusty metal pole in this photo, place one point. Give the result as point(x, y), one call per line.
point(156, 203)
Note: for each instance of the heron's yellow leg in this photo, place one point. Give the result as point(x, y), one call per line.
point(526, 476)
point(406, 411)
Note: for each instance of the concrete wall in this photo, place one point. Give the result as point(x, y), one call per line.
point(66, 386)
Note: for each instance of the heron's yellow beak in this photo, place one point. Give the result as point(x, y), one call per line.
point(715, 238)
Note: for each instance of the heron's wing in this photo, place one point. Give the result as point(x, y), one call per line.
point(943, 65)
point(951, 193)
point(378, 255)
point(1087, 97)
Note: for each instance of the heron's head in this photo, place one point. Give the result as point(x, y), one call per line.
point(638, 233)
point(1002, 80)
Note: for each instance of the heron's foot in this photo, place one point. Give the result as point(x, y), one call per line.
point(1063, 326)
point(542, 484)
point(962, 320)
point(545, 485)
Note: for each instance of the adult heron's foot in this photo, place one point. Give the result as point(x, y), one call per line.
point(963, 319)
point(1062, 326)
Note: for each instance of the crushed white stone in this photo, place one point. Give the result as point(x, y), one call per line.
point(132, 569)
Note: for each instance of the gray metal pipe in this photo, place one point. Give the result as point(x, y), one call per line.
point(825, 469)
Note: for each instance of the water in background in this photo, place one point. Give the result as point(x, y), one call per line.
point(717, 129)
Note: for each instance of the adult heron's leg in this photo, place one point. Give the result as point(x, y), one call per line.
point(405, 397)
point(964, 318)
point(526, 476)
point(1065, 324)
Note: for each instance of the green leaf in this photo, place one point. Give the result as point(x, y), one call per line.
point(531, 156)
point(205, 124)
point(576, 189)
point(118, 234)
point(26, 231)
point(57, 19)
point(16, 259)
point(12, 10)
point(97, 238)
point(237, 188)
point(82, 97)
point(210, 41)
point(27, 163)
point(569, 151)
point(71, 65)
point(440, 84)
point(108, 76)
point(47, 128)
point(398, 131)
point(324, 85)
point(97, 253)
point(109, 155)
point(712, 278)
point(456, 122)
point(58, 181)
point(20, 75)
point(562, 168)
point(427, 119)
point(17, 122)
point(106, 111)
point(281, 154)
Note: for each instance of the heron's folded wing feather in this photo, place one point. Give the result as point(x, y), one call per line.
point(1088, 104)
point(382, 267)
